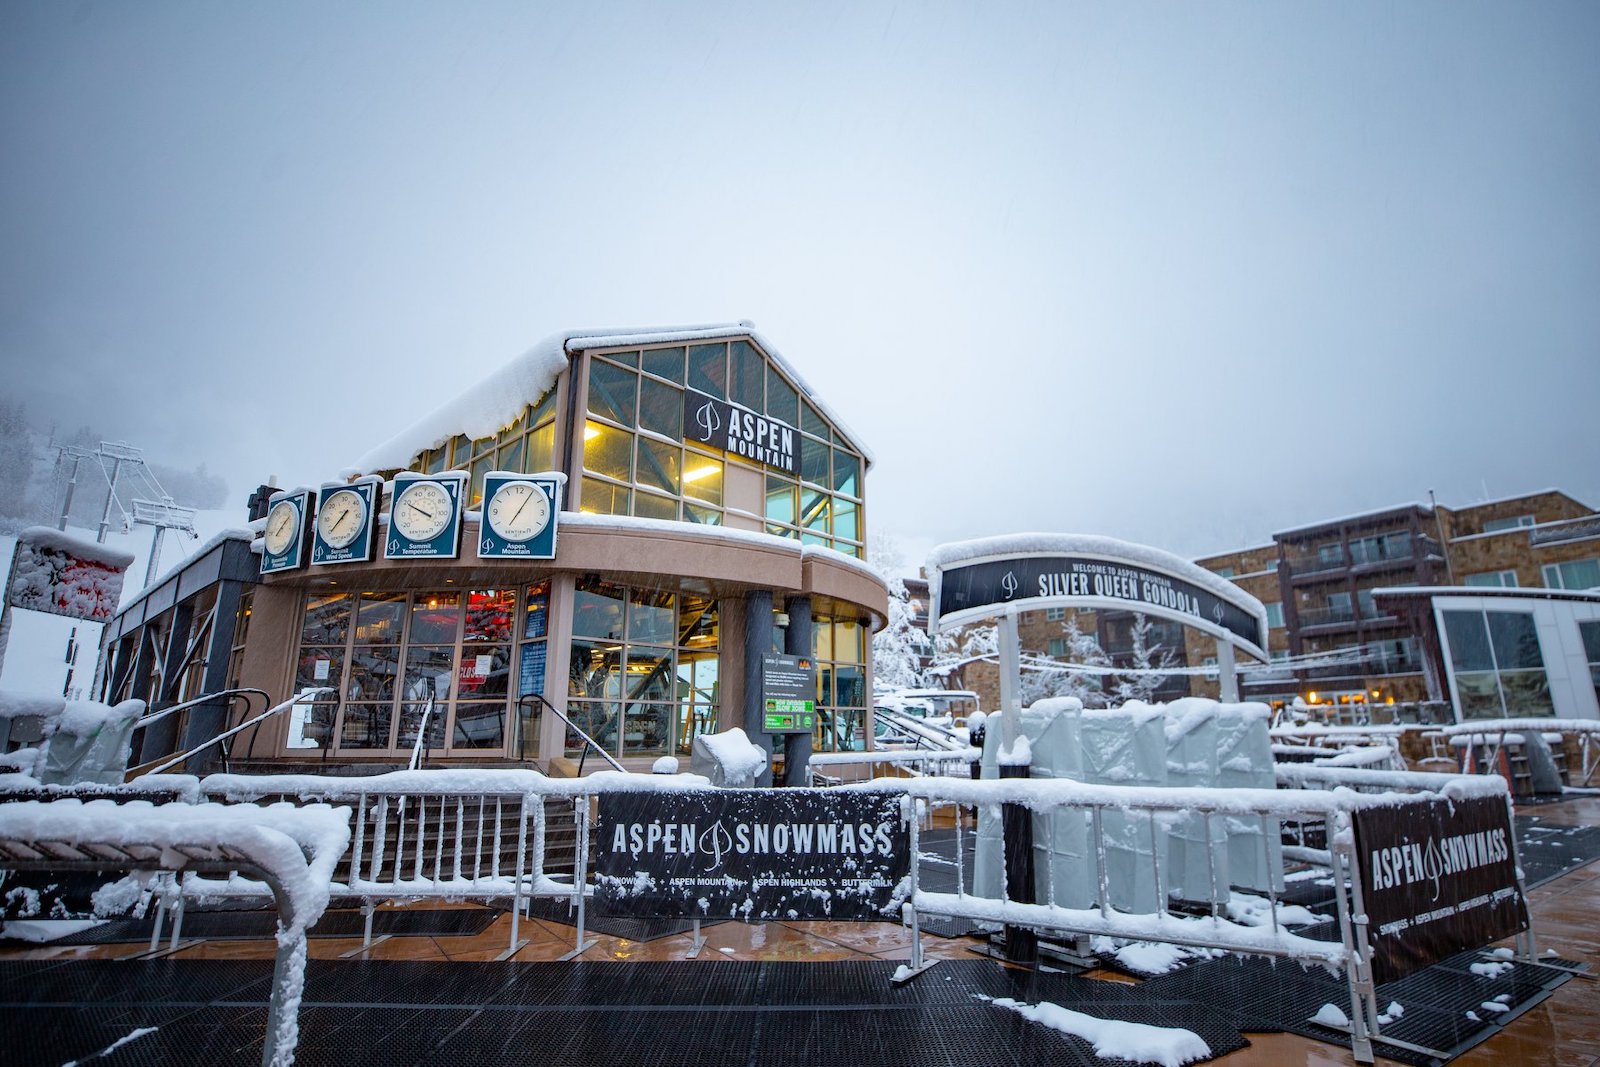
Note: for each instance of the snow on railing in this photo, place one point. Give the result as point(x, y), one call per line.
point(291, 850)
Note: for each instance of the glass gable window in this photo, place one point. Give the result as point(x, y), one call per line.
point(636, 462)
point(1498, 666)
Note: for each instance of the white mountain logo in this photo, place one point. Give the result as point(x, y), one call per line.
point(1009, 584)
point(707, 419)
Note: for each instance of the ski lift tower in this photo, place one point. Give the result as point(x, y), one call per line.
point(164, 516)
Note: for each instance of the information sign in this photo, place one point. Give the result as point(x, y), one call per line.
point(788, 695)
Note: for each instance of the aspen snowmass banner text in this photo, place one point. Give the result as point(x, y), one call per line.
point(1437, 878)
point(751, 854)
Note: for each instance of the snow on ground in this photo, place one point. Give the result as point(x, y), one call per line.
point(34, 659)
point(1114, 1038)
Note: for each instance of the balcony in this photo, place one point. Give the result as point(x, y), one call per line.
point(1559, 533)
point(1363, 555)
point(1314, 618)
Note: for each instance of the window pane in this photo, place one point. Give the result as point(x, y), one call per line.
point(411, 718)
point(748, 370)
point(378, 618)
point(844, 519)
point(811, 420)
point(480, 726)
point(515, 429)
point(651, 618)
point(850, 686)
point(1469, 641)
point(373, 670)
point(780, 500)
point(666, 362)
point(603, 498)
point(1516, 643)
point(485, 672)
point(703, 516)
point(658, 466)
point(651, 506)
point(702, 477)
point(461, 452)
point(650, 675)
point(536, 611)
point(597, 610)
point(436, 461)
point(814, 510)
point(327, 620)
point(1480, 696)
point(611, 392)
point(782, 401)
point(596, 718)
point(814, 461)
point(846, 474)
point(847, 644)
point(319, 667)
point(434, 618)
point(511, 455)
point(630, 359)
point(1275, 614)
point(480, 468)
point(545, 409)
point(661, 409)
point(365, 726)
point(1526, 693)
point(595, 669)
point(608, 451)
point(647, 731)
point(1591, 640)
point(427, 673)
point(708, 369)
point(489, 614)
point(541, 449)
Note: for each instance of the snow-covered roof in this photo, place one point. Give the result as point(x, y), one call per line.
point(498, 399)
point(1372, 514)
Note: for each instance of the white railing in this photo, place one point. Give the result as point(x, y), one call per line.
point(1497, 734)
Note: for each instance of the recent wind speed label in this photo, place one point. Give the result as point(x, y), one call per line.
point(751, 854)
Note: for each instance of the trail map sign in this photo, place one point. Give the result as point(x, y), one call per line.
point(1436, 879)
point(751, 854)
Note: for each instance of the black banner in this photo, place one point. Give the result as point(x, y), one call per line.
point(740, 431)
point(1437, 878)
point(751, 854)
point(995, 583)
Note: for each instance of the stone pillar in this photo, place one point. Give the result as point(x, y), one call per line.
point(797, 641)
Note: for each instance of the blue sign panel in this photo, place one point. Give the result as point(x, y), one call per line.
point(425, 516)
point(284, 538)
point(520, 515)
point(530, 672)
point(346, 522)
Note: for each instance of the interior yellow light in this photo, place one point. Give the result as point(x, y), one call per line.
point(698, 473)
point(591, 432)
point(1311, 697)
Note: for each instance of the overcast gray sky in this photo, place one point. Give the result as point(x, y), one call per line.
point(1181, 274)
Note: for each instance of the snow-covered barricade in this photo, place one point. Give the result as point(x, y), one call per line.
point(69, 741)
point(292, 850)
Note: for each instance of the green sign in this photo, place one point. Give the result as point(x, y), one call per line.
point(788, 695)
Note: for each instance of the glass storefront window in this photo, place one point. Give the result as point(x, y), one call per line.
point(489, 615)
point(608, 451)
point(1497, 664)
point(378, 618)
point(434, 617)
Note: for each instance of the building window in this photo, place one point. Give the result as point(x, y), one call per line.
point(636, 462)
point(1578, 574)
point(1381, 548)
point(642, 676)
point(1058, 648)
point(1224, 572)
point(1515, 522)
point(1055, 614)
point(1499, 669)
point(525, 444)
point(1494, 579)
point(388, 667)
point(1339, 609)
point(1591, 647)
point(841, 654)
point(1272, 564)
point(1330, 554)
point(1275, 614)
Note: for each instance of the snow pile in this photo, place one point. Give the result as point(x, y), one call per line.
point(79, 740)
point(728, 758)
point(1257, 911)
point(1115, 1039)
point(1492, 969)
point(1330, 1015)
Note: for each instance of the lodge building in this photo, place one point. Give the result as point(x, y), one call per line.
point(711, 511)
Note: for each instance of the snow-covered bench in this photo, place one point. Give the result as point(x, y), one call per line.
point(291, 850)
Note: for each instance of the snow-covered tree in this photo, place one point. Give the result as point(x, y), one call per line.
point(898, 649)
point(956, 650)
point(1041, 679)
point(1146, 657)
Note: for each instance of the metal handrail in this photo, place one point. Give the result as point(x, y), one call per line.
point(922, 731)
point(589, 742)
point(422, 735)
point(241, 693)
point(222, 738)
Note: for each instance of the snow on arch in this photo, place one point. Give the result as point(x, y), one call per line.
point(500, 397)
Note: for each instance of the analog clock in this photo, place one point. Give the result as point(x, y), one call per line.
point(422, 511)
point(283, 523)
point(518, 511)
point(341, 518)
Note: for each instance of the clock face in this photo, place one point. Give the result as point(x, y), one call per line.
point(341, 517)
point(422, 511)
point(518, 511)
point(283, 523)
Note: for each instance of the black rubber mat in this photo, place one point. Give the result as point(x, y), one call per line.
point(1548, 850)
point(938, 875)
point(731, 1013)
point(236, 925)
